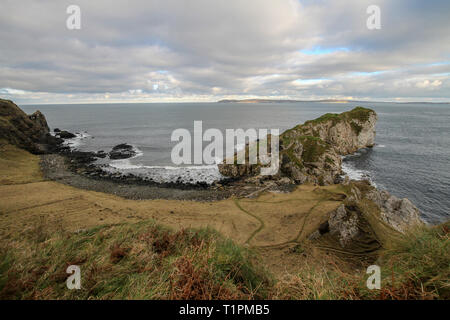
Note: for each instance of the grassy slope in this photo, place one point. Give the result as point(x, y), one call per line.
point(20, 167)
point(129, 261)
point(147, 261)
point(127, 253)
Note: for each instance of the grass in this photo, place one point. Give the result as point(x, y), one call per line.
point(313, 148)
point(356, 127)
point(415, 266)
point(319, 279)
point(128, 261)
point(359, 113)
point(147, 261)
point(16, 167)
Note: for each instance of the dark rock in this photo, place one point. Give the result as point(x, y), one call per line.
point(324, 228)
point(66, 135)
point(122, 151)
point(82, 157)
point(56, 130)
point(101, 154)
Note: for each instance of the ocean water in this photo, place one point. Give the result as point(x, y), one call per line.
point(411, 157)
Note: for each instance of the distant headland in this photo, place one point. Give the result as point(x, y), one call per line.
point(319, 101)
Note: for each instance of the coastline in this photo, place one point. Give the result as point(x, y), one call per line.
point(253, 222)
point(54, 167)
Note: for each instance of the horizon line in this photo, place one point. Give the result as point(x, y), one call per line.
point(242, 101)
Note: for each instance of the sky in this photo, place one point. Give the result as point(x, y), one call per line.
point(207, 50)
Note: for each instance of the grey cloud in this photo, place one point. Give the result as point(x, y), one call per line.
point(203, 49)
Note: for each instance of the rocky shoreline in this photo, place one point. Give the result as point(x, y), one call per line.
point(78, 169)
point(309, 153)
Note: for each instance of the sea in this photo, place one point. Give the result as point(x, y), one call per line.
point(411, 157)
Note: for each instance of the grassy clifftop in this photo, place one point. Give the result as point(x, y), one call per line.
point(125, 250)
point(359, 113)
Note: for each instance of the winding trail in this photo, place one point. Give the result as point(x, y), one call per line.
point(261, 222)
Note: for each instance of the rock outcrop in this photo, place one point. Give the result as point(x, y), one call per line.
point(401, 214)
point(312, 152)
point(122, 151)
point(25, 131)
point(65, 134)
point(357, 221)
point(343, 223)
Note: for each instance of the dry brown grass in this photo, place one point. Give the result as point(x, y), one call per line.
point(46, 226)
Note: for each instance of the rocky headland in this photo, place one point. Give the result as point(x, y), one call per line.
point(311, 152)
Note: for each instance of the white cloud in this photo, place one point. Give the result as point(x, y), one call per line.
point(428, 84)
point(195, 50)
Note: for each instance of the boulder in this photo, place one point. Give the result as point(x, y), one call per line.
point(343, 223)
point(401, 214)
point(65, 134)
point(122, 151)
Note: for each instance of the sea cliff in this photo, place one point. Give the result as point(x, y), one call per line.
point(25, 131)
point(311, 152)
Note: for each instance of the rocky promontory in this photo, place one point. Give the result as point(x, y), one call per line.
point(311, 152)
point(29, 132)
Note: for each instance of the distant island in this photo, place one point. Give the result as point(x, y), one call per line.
point(318, 101)
point(281, 101)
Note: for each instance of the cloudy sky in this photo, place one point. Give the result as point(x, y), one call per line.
point(206, 50)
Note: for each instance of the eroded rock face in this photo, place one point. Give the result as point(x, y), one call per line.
point(346, 132)
point(312, 152)
point(343, 223)
point(350, 225)
point(22, 130)
point(401, 214)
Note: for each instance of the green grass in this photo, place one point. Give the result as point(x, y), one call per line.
point(148, 261)
point(418, 264)
point(358, 113)
point(356, 127)
point(313, 148)
point(414, 266)
point(129, 261)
